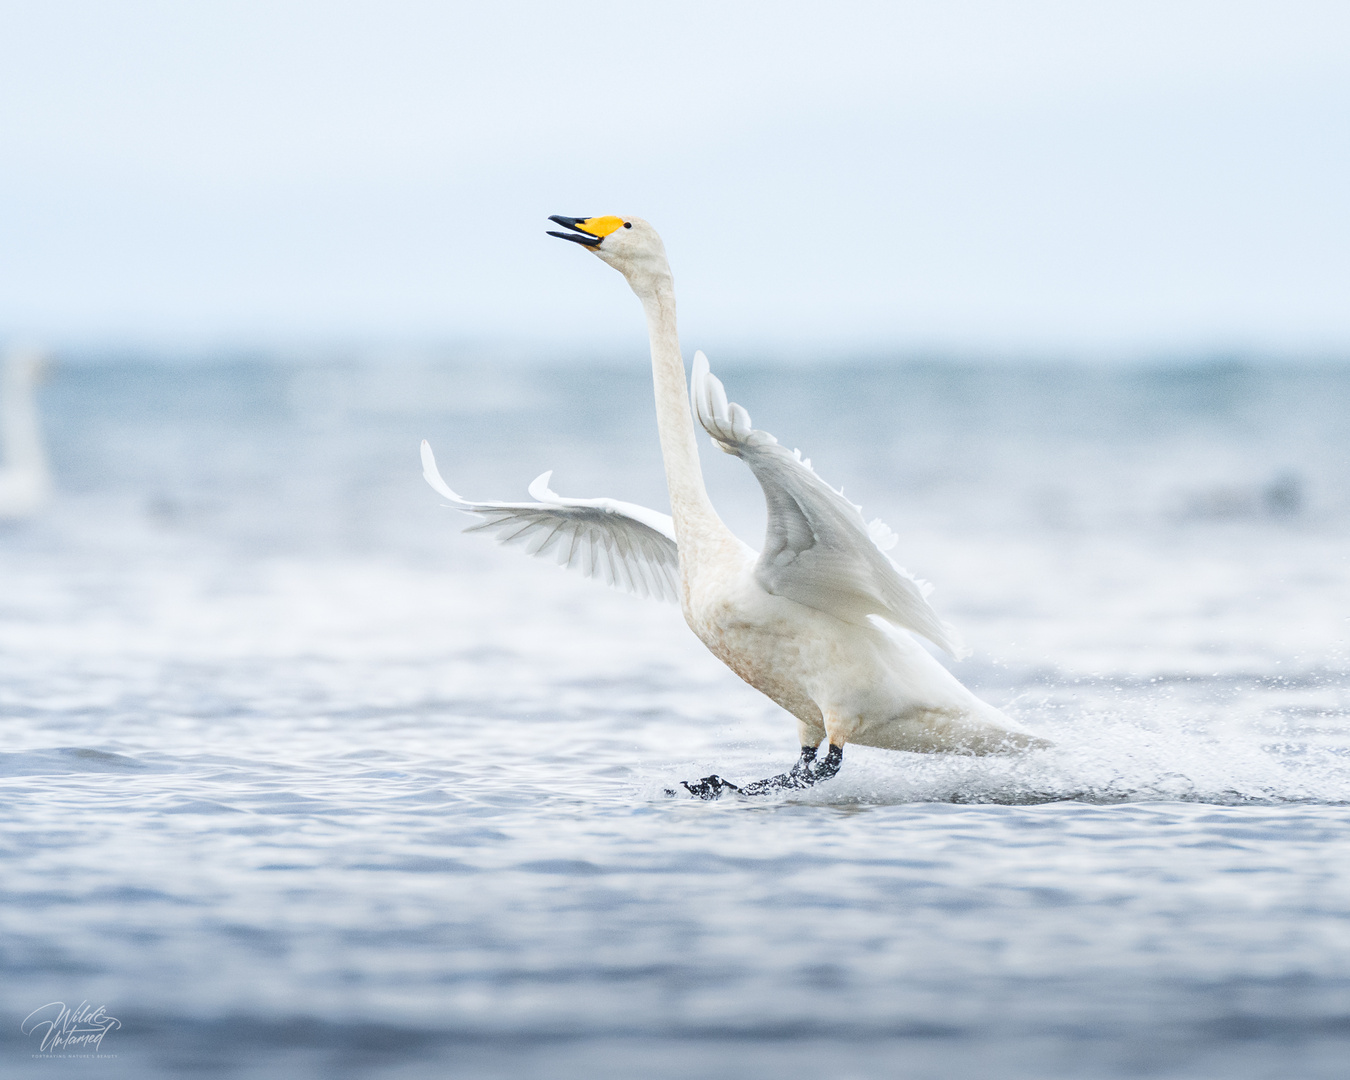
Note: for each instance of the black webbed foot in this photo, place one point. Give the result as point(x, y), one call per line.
point(804, 773)
point(709, 788)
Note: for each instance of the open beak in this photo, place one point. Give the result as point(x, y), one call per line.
point(581, 235)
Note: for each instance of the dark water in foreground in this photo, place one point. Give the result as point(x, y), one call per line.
point(298, 782)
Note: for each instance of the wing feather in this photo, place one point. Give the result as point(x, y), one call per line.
point(818, 550)
point(625, 545)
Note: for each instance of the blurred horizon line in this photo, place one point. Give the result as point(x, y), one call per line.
point(525, 354)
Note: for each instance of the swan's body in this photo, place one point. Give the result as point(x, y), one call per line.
point(805, 621)
point(25, 481)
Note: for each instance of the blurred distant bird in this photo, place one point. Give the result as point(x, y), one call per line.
point(25, 481)
point(816, 621)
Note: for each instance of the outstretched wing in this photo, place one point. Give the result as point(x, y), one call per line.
point(624, 545)
point(818, 550)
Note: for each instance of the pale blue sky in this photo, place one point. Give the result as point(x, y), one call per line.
point(1077, 177)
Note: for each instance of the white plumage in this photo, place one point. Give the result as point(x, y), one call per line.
point(818, 550)
point(819, 620)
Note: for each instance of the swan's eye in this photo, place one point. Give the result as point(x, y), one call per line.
point(627, 224)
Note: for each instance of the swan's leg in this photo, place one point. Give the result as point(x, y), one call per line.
point(803, 774)
point(834, 757)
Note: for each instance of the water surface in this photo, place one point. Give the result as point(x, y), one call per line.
point(298, 781)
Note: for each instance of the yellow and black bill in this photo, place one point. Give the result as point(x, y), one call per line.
point(587, 231)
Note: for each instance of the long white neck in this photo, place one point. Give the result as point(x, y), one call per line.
point(697, 526)
point(20, 441)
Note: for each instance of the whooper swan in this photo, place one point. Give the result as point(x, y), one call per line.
point(819, 621)
point(25, 482)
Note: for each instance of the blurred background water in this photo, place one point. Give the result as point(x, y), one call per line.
point(298, 781)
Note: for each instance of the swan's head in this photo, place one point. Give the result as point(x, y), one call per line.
point(628, 244)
